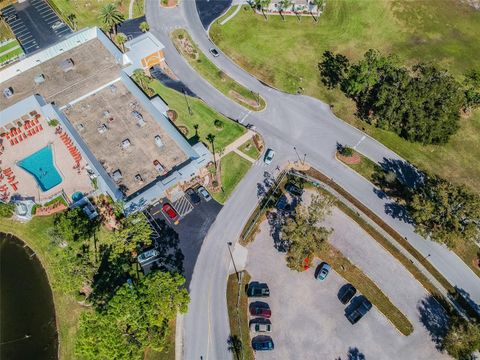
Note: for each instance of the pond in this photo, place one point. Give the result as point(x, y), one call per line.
point(27, 314)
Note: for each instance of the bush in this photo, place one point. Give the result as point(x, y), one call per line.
point(218, 124)
point(6, 210)
point(346, 151)
point(53, 122)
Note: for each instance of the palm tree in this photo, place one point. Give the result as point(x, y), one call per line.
point(111, 17)
point(72, 18)
point(144, 27)
point(319, 4)
point(196, 126)
point(141, 79)
point(121, 38)
point(211, 138)
point(283, 5)
point(263, 5)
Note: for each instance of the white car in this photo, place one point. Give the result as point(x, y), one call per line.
point(261, 327)
point(57, 25)
point(214, 52)
point(147, 256)
point(202, 191)
point(269, 156)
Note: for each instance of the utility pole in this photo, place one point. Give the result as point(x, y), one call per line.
point(233, 261)
point(296, 152)
point(186, 100)
point(304, 156)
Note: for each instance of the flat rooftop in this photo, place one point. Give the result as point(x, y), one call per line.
point(109, 118)
point(93, 66)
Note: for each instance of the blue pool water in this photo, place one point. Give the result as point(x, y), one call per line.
point(40, 165)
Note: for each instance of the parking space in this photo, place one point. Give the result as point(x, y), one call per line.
point(191, 229)
point(308, 318)
point(35, 24)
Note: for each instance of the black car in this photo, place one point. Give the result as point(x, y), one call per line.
point(256, 289)
point(293, 189)
point(346, 293)
point(359, 311)
point(262, 343)
point(192, 194)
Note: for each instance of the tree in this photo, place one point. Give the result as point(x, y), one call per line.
point(304, 234)
point(472, 89)
point(6, 210)
point(144, 26)
point(73, 225)
point(333, 69)
point(320, 4)
point(142, 80)
point(73, 21)
point(445, 212)
point(264, 5)
point(111, 17)
point(134, 233)
point(136, 318)
point(235, 345)
point(462, 338)
point(211, 139)
point(283, 5)
point(121, 38)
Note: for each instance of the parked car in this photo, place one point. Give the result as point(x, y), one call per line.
point(347, 292)
point(147, 256)
point(359, 311)
point(256, 289)
point(323, 271)
point(57, 25)
point(194, 198)
point(262, 343)
point(261, 326)
point(293, 189)
point(269, 156)
point(202, 191)
point(260, 309)
point(214, 52)
point(170, 211)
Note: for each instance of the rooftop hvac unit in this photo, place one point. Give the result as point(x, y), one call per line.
point(67, 65)
point(126, 143)
point(8, 92)
point(39, 79)
point(117, 175)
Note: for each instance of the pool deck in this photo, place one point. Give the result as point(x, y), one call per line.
point(27, 187)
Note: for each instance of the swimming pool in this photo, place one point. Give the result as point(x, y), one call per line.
point(41, 166)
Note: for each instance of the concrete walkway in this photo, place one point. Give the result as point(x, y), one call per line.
point(239, 6)
point(130, 9)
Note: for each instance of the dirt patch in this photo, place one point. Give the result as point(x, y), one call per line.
point(186, 47)
point(172, 115)
point(349, 160)
point(250, 102)
point(168, 3)
point(183, 129)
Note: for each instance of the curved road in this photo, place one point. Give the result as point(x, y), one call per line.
point(288, 121)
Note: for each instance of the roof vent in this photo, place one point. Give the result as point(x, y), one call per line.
point(39, 79)
point(117, 175)
point(67, 65)
point(8, 92)
point(126, 143)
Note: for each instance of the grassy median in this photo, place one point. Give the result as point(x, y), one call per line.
point(221, 81)
point(238, 315)
point(232, 170)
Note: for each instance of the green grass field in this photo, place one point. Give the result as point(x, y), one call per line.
point(9, 45)
point(203, 115)
point(250, 149)
point(221, 81)
point(11, 54)
point(87, 11)
point(233, 169)
point(286, 53)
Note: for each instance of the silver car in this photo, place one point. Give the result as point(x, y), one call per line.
point(269, 156)
point(202, 191)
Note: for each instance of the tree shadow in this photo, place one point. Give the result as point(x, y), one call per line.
point(355, 354)
point(165, 240)
point(261, 190)
point(434, 318)
point(398, 211)
point(465, 300)
point(235, 346)
point(405, 172)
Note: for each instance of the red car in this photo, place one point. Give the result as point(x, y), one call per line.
point(170, 211)
point(262, 310)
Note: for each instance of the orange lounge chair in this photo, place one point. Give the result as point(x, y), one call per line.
point(40, 127)
point(15, 141)
point(14, 186)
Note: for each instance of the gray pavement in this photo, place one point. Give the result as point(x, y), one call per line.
point(308, 320)
point(288, 121)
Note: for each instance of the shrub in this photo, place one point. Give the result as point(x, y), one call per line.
point(346, 151)
point(218, 124)
point(53, 122)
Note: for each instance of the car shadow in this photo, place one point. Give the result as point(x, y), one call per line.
point(354, 303)
point(259, 321)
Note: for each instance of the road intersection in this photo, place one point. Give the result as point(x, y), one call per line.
point(288, 121)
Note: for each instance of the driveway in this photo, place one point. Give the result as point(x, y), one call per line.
point(307, 318)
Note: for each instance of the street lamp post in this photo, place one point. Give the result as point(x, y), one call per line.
point(296, 152)
point(233, 261)
point(304, 156)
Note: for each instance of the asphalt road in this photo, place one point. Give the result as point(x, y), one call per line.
point(288, 121)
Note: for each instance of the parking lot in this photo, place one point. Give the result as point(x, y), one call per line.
point(308, 320)
point(191, 228)
point(35, 24)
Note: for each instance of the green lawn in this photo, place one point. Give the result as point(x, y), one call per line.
point(229, 87)
point(11, 54)
point(67, 310)
point(286, 53)
point(87, 11)
point(366, 167)
point(250, 149)
point(233, 169)
point(202, 115)
point(9, 45)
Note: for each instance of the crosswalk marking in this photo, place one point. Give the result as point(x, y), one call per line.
point(182, 206)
